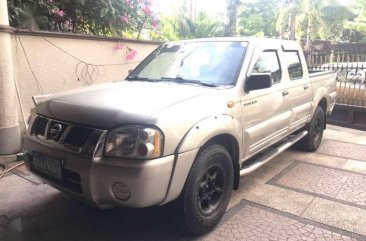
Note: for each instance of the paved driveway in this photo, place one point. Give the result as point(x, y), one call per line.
point(297, 196)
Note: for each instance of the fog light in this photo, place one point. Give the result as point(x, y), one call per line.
point(121, 191)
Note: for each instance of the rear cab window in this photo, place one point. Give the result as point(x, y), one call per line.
point(294, 66)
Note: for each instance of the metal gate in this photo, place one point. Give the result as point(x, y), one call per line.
point(349, 60)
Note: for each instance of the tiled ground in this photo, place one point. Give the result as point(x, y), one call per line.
point(343, 149)
point(256, 222)
point(320, 197)
point(331, 183)
point(4, 222)
point(21, 171)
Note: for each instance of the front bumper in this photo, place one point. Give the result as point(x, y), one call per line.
point(93, 178)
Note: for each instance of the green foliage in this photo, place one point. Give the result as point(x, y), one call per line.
point(201, 27)
point(333, 18)
point(168, 29)
point(252, 25)
point(182, 27)
point(359, 26)
point(102, 17)
point(356, 26)
point(259, 18)
point(317, 19)
point(29, 14)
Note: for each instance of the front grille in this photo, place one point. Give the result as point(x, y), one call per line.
point(57, 136)
point(78, 136)
point(41, 124)
point(75, 138)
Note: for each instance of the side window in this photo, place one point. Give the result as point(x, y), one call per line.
point(293, 64)
point(268, 63)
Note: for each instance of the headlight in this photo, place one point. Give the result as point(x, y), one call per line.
point(134, 142)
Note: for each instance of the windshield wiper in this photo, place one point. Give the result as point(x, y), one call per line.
point(182, 80)
point(136, 78)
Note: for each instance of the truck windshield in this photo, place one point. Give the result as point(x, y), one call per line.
point(205, 63)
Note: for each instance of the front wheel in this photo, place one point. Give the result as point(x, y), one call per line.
point(315, 128)
point(207, 190)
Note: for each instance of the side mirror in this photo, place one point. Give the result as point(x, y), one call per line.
point(130, 71)
point(258, 81)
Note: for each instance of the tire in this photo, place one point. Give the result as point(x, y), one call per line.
point(207, 190)
point(315, 128)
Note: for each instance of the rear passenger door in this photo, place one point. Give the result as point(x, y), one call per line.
point(266, 114)
point(299, 88)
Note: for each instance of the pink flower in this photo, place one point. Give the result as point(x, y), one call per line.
point(125, 19)
point(146, 10)
point(53, 11)
point(60, 13)
point(154, 24)
point(129, 3)
point(131, 54)
point(119, 46)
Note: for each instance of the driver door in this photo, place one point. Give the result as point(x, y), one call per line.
point(266, 112)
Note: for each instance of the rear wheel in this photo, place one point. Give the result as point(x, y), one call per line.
point(207, 190)
point(315, 128)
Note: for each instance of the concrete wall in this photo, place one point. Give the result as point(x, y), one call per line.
point(61, 62)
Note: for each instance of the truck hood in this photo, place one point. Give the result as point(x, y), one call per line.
point(109, 105)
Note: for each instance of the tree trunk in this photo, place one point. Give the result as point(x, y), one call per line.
point(292, 20)
point(292, 26)
point(308, 33)
point(230, 28)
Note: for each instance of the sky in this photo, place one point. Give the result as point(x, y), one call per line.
point(171, 7)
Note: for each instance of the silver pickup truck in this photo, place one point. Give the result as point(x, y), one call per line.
point(185, 124)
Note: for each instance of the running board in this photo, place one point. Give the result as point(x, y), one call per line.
point(271, 153)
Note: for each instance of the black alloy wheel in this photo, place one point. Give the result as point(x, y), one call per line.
point(207, 190)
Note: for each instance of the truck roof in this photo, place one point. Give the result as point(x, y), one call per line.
point(286, 44)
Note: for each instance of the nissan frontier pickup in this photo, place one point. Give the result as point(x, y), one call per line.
point(184, 126)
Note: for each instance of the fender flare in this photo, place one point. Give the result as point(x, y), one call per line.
point(207, 128)
point(193, 140)
point(321, 94)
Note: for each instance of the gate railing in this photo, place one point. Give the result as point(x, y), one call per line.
point(349, 60)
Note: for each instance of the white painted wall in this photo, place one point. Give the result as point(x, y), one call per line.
point(58, 71)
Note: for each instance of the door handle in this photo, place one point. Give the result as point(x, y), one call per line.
point(306, 87)
point(285, 92)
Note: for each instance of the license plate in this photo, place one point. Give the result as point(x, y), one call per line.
point(47, 165)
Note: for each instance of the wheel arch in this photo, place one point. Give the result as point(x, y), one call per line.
point(232, 146)
point(221, 129)
point(224, 130)
point(323, 99)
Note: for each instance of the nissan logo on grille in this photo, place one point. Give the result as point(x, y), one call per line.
point(55, 131)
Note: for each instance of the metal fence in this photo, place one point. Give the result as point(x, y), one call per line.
point(349, 60)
